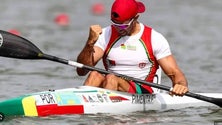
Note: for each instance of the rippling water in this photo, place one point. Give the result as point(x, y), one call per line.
point(192, 27)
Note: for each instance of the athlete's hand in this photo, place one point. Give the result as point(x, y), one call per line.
point(94, 32)
point(179, 90)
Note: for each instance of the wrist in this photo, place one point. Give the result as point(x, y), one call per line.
point(90, 47)
point(184, 83)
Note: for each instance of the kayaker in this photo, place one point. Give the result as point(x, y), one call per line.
point(130, 48)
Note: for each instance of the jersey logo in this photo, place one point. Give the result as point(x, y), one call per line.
point(123, 46)
point(128, 47)
point(142, 65)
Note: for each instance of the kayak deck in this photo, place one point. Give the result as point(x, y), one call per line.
point(92, 100)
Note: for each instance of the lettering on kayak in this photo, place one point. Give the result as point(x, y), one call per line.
point(100, 98)
point(84, 98)
point(105, 97)
point(47, 98)
point(94, 98)
point(91, 99)
point(143, 98)
point(1, 40)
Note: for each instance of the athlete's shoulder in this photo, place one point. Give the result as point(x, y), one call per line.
point(106, 29)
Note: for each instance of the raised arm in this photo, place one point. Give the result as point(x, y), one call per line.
point(90, 54)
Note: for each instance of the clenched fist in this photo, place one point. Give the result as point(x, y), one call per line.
point(94, 32)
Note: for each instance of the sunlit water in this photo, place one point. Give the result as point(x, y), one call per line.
point(192, 27)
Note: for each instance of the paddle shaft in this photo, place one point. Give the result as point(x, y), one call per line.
point(215, 101)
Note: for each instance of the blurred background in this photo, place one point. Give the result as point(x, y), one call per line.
point(60, 28)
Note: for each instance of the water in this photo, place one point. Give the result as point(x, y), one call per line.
point(192, 27)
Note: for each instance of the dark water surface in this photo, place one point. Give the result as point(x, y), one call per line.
point(192, 27)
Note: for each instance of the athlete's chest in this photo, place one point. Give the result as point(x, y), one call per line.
point(128, 51)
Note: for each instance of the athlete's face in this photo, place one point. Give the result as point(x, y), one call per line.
point(124, 28)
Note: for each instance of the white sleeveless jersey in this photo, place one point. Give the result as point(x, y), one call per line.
point(128, 55)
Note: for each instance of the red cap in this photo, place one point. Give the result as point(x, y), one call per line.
point(123, 10)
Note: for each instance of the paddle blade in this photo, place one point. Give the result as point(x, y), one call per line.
point(14, 46)
point(216, 101)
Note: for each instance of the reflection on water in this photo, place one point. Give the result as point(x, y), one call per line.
point(192, 28)
point(200, 116)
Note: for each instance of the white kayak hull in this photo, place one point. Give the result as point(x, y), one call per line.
point(93, 100)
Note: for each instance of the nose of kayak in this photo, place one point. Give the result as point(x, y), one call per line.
point(1, 117)
point(12, 107)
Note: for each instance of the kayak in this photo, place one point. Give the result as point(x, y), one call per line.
point(93, 100)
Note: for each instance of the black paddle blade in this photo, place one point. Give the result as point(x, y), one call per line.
point(14, 46)
point(218, 102)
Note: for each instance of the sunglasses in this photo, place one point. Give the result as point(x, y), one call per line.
point(122, 26)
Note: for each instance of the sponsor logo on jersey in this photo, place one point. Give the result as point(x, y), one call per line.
point(142, 65)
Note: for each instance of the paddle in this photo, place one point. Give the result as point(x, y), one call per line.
point(14, 46)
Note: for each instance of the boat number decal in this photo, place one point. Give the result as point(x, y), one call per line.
point(1, 40)
point(95, 98)
point(84, 98)
point(100, 98)
point(91, 99)
point(105, 97)
point(47, 99)
point(143, 98)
